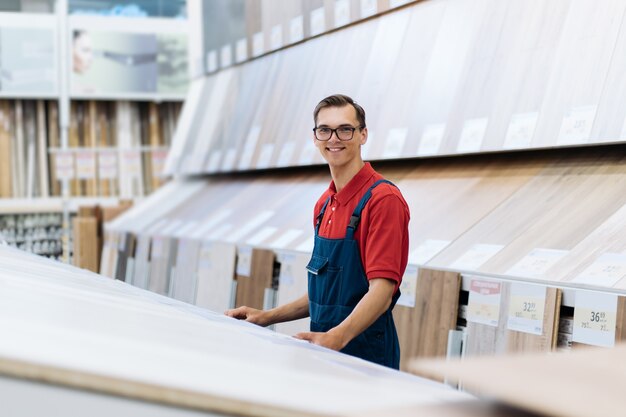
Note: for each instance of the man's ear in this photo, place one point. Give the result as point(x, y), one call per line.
point(364, 136)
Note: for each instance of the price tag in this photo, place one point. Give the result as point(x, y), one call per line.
point(307, 245)
point(477, 255)
point(204, 258)
point(265, 157)
point(521, 130)
point(286, 275)
point(408, 287)
point(368, 8)
point(286, 154)
point(211, 61)
point(131, 163)
point(397, 3)
point(526, 308)
point(606, 271)
point(576, 125)
point(261, 236)
point(307, 155)
point(250, 146)
point(226, 56)
point(484, 302)
point(296, 29)
point(107, 165)
point(258, 46)
point(214, 161)
point(395, 142)
point(244, 261)
point(64, 165)
point(595, 318)
point(241, 50)
point(431, 139)
point(342, 13)
point(427, 250)
point(228, 163)
point(85, 165)
point(276, 37)
point(318, 21)
point(286, 238)
point(536, 262)
point(158, 162)
point(472, 135)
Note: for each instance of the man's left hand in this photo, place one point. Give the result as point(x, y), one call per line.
point(329, 340)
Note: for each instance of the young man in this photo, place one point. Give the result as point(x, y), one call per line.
point(361, 247)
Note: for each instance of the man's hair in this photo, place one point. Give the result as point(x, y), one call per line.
point(340, 100)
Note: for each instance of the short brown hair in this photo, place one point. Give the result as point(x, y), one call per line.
point(340, 100)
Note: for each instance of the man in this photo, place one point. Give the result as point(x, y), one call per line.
point(361, 247)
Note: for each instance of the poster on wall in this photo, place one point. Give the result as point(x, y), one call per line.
point(27, 61)
point(126, 63)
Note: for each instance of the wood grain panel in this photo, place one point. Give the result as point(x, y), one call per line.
point(251, 290)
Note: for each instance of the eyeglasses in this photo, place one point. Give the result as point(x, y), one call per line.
point(343, 133)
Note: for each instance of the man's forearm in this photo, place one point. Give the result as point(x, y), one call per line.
point(295, 310)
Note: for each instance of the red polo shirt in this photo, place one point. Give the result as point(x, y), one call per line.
point(382, 235)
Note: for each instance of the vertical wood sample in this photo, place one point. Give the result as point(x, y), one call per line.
point(216, 274)
point(6, 163)
point(251, 289)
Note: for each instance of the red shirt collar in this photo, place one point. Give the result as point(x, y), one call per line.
point(353, 186)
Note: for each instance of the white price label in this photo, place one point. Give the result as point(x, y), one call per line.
point(85, 165)
point(595, 318)
point(536, 262)
point(296, 29)
point(64, 165)
point(276, 37)
point(395, 142)
point(265, 158)
point(286, 154)
point(258, 44)
point(131, 163)
point(158, 162)
point(484, 302)
point(576, 125)
point(526, 308)
point(408, 287)
point(107, 165)
point(244, 261)
point(368, 8)
point(472, 135)
point(427, 250)
point(342, 13)
point(431, 139)
point(226, 56)
point(241, 50)
point(606, 271)
point(521, 130)
point(476, 256)
point(318, 21)
point(211, 61)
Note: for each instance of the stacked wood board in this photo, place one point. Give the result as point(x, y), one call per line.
point(122, 341)
point(436, 78)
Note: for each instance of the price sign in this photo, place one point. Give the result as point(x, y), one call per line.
point(521, 130)
point(286, 154)
point(526, 308)
point(132, 163)
point(244, 261)
point(395, 142)
point(342, 13)
point(107, 165)
point(276, 37)
point(258, 46)
point(477, 255)
point(472, 135)
point(595, 318)
point(296, 29)
point(368, 8)
point(576, 125)
point(408, 287)
point(64, 165)
point(427, 250)
point(536, 262)
point(431, 139)
point(226, 56)
point(265, 157)
point(241, 50)
point(318, 21)
point(606, 271)
point(158, 162)
point(85, 165)
point(484, 302)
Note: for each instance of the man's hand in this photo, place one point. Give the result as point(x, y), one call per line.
point(331, 340)
point(252, 315)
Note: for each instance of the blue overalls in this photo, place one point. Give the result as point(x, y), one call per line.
point(337, 283)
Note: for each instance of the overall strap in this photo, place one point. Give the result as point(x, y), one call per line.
point(318, 219)
point(356, 215)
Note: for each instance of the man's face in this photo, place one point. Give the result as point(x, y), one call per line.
point(337, 152)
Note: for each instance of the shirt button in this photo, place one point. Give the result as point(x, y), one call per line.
point(329, 222)
point(333, 209)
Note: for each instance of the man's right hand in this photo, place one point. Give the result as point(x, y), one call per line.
point(252, 315)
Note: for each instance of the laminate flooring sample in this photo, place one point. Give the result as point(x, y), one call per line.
point(292, 284)
point(251, 288)
point(216, 274)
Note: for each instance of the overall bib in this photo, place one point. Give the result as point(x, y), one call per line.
point(337, 282)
